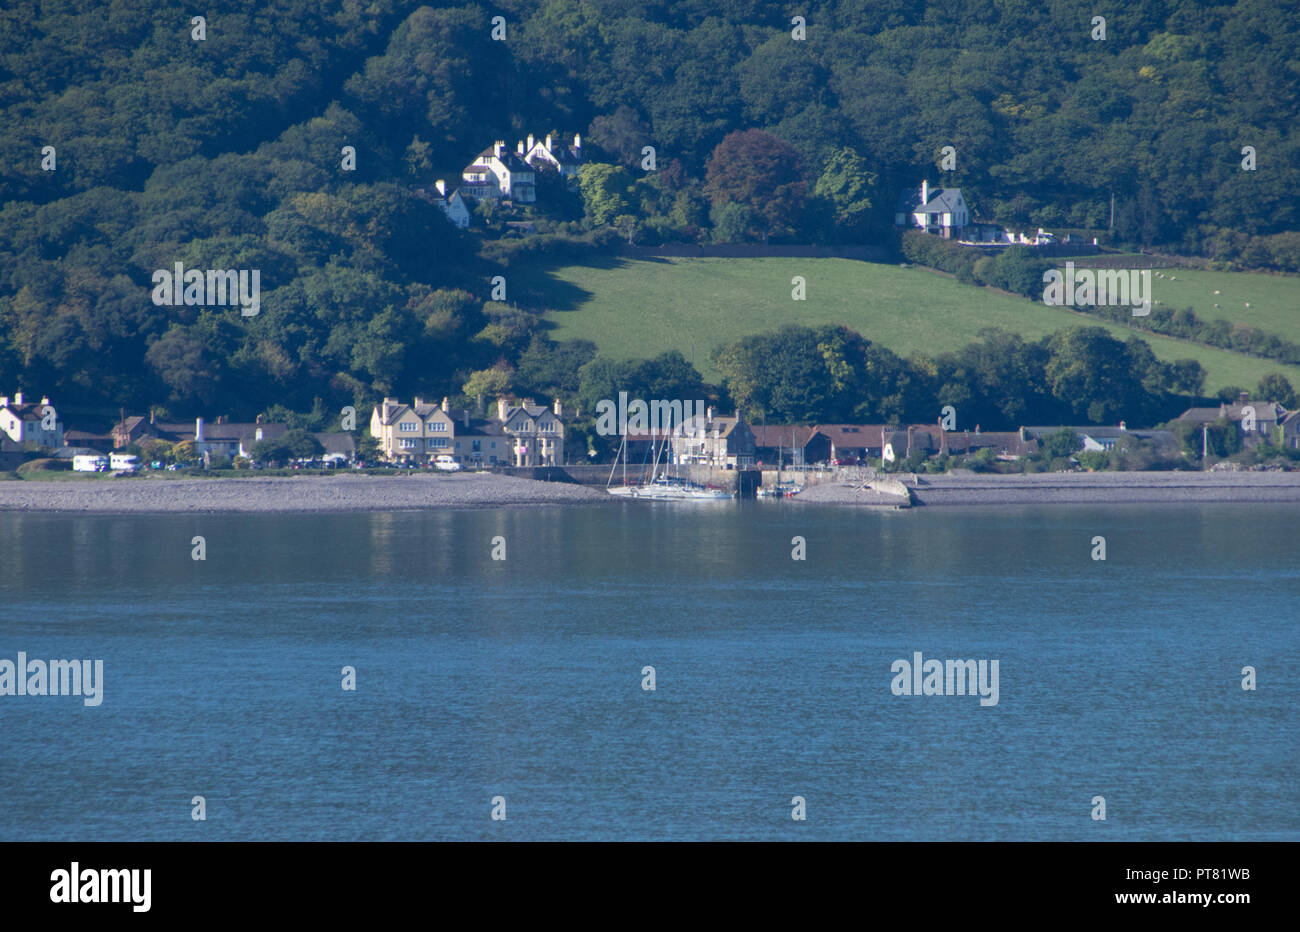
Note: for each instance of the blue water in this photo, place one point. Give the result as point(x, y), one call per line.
point(522, 678)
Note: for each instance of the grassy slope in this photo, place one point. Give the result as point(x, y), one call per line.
point(640, 308)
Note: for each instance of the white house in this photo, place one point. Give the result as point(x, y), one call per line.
point(498, 174)
point(942, 211)
point(564, 159)
point(455, 206)
point(30, 424)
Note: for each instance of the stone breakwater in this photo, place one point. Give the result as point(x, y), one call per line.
point(1109, 488)
point(271, 494)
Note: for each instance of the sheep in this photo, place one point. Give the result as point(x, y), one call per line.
point(1216, 292)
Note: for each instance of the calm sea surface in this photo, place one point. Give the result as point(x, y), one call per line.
point(522, 678)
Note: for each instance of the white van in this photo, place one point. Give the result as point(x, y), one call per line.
point(89, 463)
point(123, 462)
point(446, 463)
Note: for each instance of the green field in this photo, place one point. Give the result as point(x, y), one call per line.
point(637, 308)
point(1274, 299)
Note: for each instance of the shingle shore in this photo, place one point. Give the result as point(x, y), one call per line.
point(344, 493)
point(289, 494)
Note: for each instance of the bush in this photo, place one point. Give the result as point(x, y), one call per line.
point(1094, 460)
point(45, 464)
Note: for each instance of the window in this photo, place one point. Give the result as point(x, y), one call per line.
point(438, 427)
point(408, 426)
point(478, 445)
point(437, 442)
point(408, 443)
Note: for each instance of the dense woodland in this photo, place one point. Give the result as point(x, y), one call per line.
point(225, 153)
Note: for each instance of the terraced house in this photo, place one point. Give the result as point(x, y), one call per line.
point(412, 433)
point(518, 433)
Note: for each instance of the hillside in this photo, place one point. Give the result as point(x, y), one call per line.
point(636, 308)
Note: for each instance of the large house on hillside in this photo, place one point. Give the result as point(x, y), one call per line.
point(564, 159)
point(941, 211)
point(500, 175)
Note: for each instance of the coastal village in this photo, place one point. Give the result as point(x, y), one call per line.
point(519, 435)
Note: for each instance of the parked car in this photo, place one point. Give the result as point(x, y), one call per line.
point(446, 463)
point(847, 461)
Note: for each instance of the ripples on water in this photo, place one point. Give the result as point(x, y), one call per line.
point(522, 678)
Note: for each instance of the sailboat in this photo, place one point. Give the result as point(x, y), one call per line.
point(661, 487)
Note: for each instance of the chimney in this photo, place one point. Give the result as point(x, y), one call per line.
point(559, 408)
point(151, 415)
point(548, 142)
point(45, 399)
point(259, 419)
point(441, 185)
point(418, 401)
point(479, 406)
point(499, 148)
point(577, 142)
point(1242, 399)
point(519, 147)
point(1123, 426)
point(465, 417)
point(4, 400)
point(18, 398)
point(530, 143)
point(198, 430)
point(444, 404)
point(528, 402)
point(708, 415)
point(503, 407)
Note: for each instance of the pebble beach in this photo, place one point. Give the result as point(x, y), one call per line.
point(352, 493)
point(292, 494)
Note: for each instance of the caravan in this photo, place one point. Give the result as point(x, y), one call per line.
point(123, 462)
point(86, 463)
